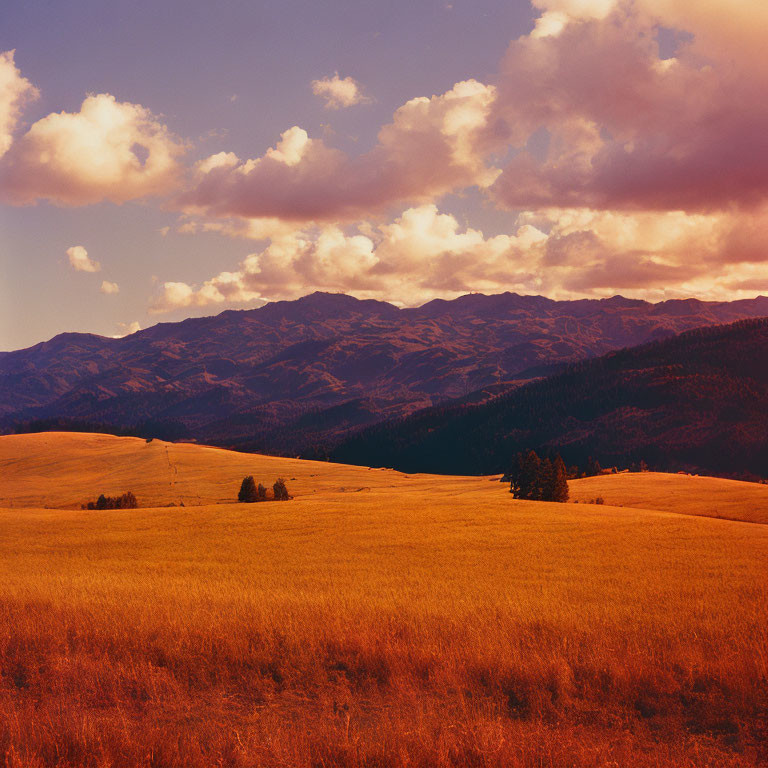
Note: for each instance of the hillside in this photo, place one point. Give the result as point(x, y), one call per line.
point(681, 494)
point(64, 469)
point(418, 621)
point(291, 374)
point(61, 470)
point(698, 401)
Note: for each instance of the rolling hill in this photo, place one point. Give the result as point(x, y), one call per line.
point(376, 619)
point(62, 470)
point(65, 469)
point(698, 402)
point(291, 374)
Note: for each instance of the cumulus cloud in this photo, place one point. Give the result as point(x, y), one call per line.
point(339, 92)
point(421, 254)
point(15, 91)
point(80, 261)
point(587, 108)
point(638, 167)
point(431, 147)
point(625, 128)
point(109, 150)
point(126, 329)
point(109, 287)
point(629, 166)
point(563, 253)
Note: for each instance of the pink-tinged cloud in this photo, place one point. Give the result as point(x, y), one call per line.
point(126, 329)
point(15, 92)
point(424, 254)
point(80, 261)
point(339, 92)
point(109, 150)
point(623, 129)
point(108, 287)
point(419, 255)
point(431, 147)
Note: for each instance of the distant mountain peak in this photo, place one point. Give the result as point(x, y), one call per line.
point(328, 304)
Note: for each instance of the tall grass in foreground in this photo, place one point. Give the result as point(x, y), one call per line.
point(382, 630)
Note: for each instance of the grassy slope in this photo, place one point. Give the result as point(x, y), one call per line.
point(426, 621)
point(61, 469)
point(684, 494)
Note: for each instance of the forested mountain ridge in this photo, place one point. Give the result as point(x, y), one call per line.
point(296, 373)
point(698, 401)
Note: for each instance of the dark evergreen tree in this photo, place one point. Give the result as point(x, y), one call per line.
point(531, 476)
point(261, 493)
point(593, 467)
point(559, 487)
point(526, 476)
point(545, 482)
point(538, 479)
point(101, 502)
point(280, 490)
point(247, 492)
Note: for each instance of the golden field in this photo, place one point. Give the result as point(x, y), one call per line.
point(375, 620)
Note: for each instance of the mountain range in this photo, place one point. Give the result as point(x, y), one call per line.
point(296, 374)
point(695, 402)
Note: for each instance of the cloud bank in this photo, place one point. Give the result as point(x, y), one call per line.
point(563, 253)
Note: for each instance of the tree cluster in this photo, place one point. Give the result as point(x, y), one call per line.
point(124, 501)
point(538, 479)
point(250, 492)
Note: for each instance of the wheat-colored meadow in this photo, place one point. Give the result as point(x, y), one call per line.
point(375, 620)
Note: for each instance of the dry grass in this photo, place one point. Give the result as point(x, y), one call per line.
point(683, 494)
point(424, 622)
point(62, 470)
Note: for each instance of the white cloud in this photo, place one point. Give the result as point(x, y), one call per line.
point(109, 288)
point(420, 255)
point(126, 329)
point(80, 261)
point(109, 150)
point(339, 92)
point(432, 146)
point(562, 253)
point(15, 91)
point(577, 9)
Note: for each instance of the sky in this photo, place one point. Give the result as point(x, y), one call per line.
point(175, 159)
